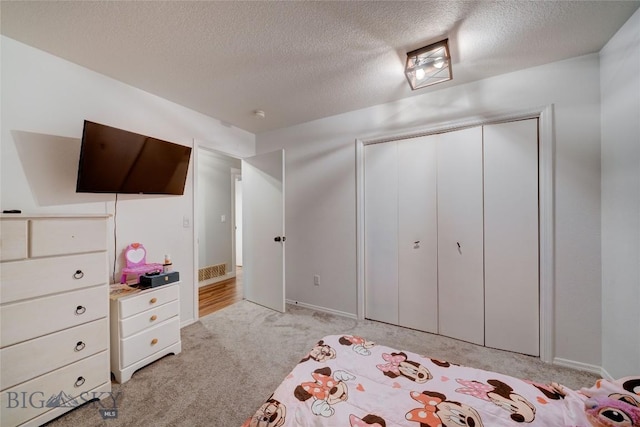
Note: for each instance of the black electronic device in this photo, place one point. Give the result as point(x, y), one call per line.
point(118, 161)
point(155, 280)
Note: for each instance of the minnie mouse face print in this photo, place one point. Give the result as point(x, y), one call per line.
point(321, 352)
point(437, 411)
point(397, 365)
point(502, 395)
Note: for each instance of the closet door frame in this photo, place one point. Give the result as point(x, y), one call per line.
point(546, 152)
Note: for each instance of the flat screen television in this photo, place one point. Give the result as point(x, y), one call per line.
point(118, 161)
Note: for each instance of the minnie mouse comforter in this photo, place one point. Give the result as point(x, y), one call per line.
point(348, 381)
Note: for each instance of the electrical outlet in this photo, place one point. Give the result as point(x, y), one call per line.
point(186, 223)
point(316, 280)
point(223, 218)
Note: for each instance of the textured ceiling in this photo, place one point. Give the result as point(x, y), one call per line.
point(300, 61)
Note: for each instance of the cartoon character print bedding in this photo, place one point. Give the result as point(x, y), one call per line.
point(349, 381)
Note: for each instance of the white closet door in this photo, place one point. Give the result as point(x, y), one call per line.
point(460, 235)
point(381, 232)
point(511, 236)
point(418, 234)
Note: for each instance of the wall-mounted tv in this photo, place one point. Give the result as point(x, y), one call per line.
point(118, 161)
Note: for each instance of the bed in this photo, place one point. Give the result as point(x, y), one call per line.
point(348, 381)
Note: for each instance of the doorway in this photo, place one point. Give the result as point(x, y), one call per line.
point(262, 224)
point(217, 175)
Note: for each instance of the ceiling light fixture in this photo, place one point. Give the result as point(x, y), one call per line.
point(429, 65)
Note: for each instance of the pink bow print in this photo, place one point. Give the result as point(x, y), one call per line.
point(394, 363)
point(321, 388)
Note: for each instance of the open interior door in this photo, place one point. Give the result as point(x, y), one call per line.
point(263, 234)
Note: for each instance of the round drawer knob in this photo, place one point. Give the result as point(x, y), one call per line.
point(154, 317)
point(80, 346)
point(79, 382)
point(154, 341)
point(153, 300)
point(80, 309)
point(79, 274)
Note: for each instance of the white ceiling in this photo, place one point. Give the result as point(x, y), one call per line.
point(300, 61)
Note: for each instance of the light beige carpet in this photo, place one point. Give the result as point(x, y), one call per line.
point(234, 358)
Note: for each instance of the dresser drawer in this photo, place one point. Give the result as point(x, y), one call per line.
point(13, 239)
point(29, 319)
point(59, 236)
point(134, 324)
point(67, 382)
point(36, 277)
point(149, 341)
point(132, 305)
point(29, 359)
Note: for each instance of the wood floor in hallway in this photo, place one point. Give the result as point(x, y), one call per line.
point(220, 295)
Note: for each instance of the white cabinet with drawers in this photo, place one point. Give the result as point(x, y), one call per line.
point(54, 326)
point(145, 326)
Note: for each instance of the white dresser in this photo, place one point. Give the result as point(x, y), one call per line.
point(145, 326)
point(54, 328)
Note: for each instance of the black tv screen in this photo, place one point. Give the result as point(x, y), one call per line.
point(118, 161)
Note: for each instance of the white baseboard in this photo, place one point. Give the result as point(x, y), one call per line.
point(606, 375)
point(187, 323)
point(323, 309)
point(594, 369)
point(217, 279)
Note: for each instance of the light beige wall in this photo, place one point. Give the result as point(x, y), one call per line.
point(321, 188)
point(620, 92)
point(45, 101)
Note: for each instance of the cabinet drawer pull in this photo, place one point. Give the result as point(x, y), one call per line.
point(154, 341)
point(80, 309)
point(79, 274)
point(80, 346)
point(153, 300)
point(79, 382)
point(154, 317)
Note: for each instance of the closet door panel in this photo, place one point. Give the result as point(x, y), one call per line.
point(417, 234)
point(511, 236)
point(460, 235)
point(381, 232)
